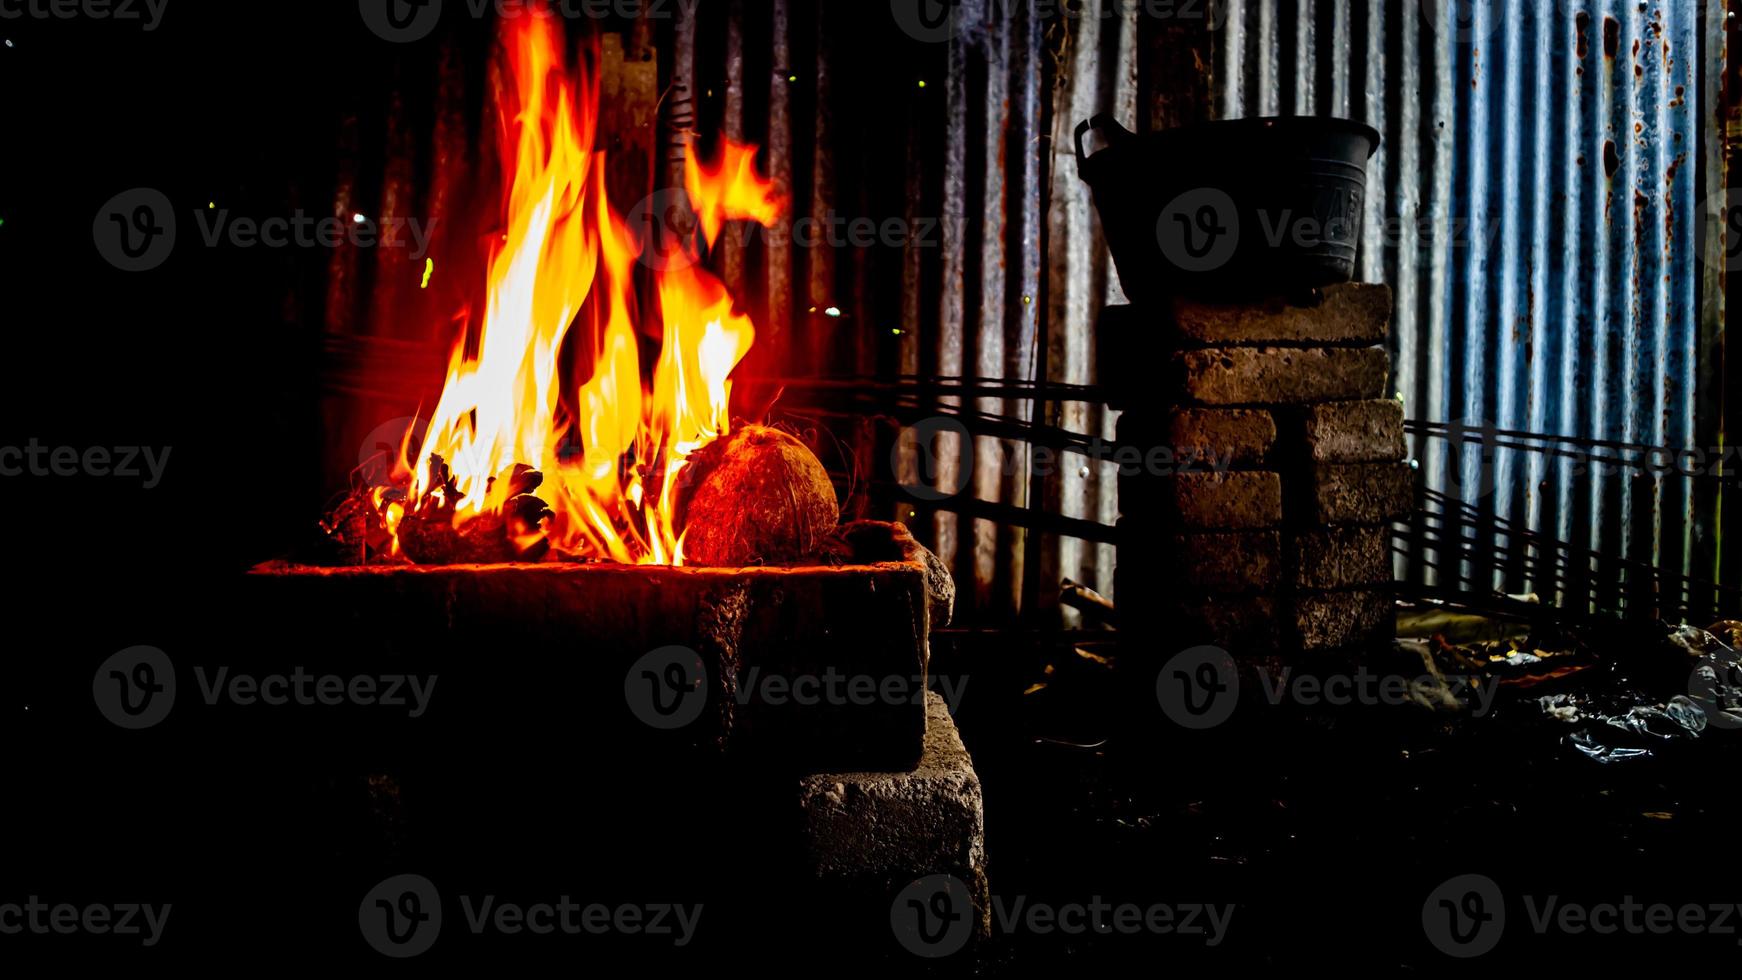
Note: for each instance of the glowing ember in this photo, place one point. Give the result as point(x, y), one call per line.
point(612, 447)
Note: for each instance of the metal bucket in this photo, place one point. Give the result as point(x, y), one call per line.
point(1233, 208)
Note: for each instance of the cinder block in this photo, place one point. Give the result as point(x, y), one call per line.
point(1318, 621)
point(1224, 561)
point(1354, 432)
point(871, 833)
point(1339, 557)
point(1280, 375)
point(1352, 313)
point(870, 615)
point(1360, 493)
point(1236, 500)
point(1225, 436)
point(1244, 625)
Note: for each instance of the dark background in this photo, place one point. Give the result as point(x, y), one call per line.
point(264, 833)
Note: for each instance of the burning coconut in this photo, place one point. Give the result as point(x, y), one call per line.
point(553, 438)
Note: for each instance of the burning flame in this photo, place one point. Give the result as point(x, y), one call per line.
point(611, 447)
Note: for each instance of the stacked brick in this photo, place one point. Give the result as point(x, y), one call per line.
point(1270, 530)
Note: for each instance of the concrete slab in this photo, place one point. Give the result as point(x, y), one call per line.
point(873, 833)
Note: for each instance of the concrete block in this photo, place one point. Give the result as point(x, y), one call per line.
point(1222, 437)
point(1319, 621)
point(1360, 493)
point(1236, 500)
point(874, 832)
point(1350, 313)
point(1224, 561)
point(557, 644)
point(1354, 432)
point(1280, 375)
point(1339, 557)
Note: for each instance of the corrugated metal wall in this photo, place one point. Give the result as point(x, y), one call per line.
point(1535, 206)
point(959, 137)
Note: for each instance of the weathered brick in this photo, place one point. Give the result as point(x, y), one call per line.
point(1223, 561)
point(1360, 493)
point(862, 831)
point(1339, 557)
point(1187, 440)
point(1280, 375)
point(1230, 436)
point(1335, 620)
point(1353, 432)
point(1235, 500)
point(1243, 625)
point(1352, 313)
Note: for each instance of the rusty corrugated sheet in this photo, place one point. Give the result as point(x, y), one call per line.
point(970, 158)
point(1535, 207)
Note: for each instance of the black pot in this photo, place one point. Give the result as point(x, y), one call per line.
point(1239, 207)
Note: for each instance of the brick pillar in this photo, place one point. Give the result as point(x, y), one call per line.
point(1272, 466)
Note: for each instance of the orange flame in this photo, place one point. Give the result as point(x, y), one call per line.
point(611, 452)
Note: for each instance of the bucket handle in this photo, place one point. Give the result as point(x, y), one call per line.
point(1110, 130)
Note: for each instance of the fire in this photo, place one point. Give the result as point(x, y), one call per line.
point(612, 447)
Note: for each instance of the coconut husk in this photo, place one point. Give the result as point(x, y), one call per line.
point(755, 497)
point(428, 536)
